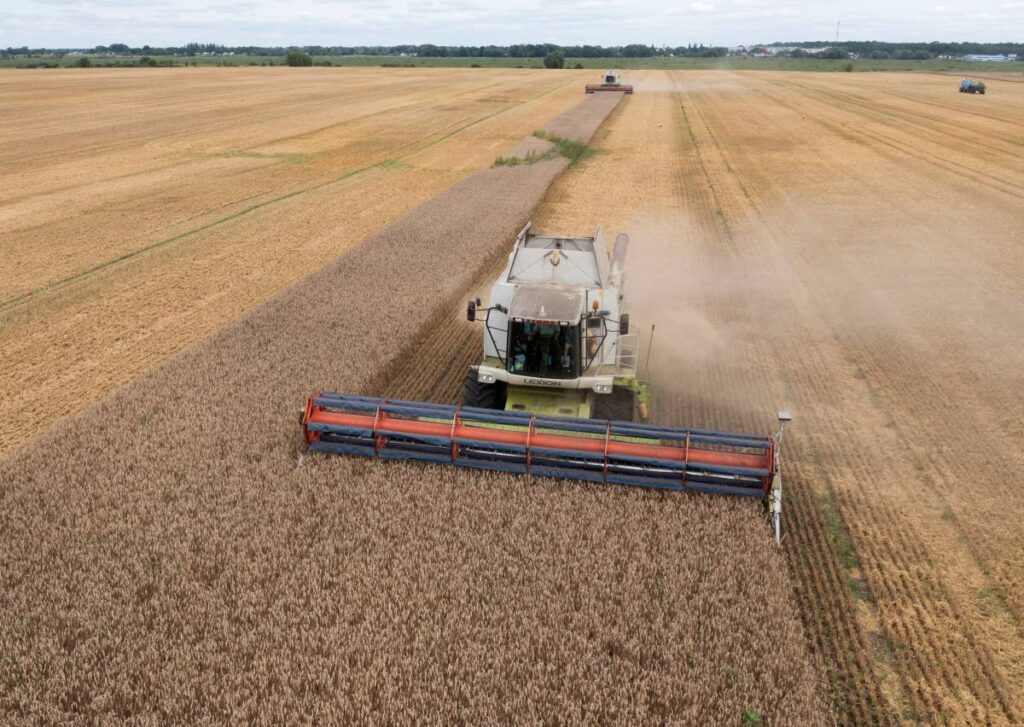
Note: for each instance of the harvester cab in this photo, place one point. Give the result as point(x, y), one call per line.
point(556, 333)
point(609, 82)
point(555, 393)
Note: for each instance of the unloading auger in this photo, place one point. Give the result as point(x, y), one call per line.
point(556, 393)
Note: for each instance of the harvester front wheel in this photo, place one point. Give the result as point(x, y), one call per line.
point(483, 396)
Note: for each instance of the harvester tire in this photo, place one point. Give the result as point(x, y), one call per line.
point(482, 396)
point(620, 405)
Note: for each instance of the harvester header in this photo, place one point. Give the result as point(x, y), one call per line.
point(609, 82)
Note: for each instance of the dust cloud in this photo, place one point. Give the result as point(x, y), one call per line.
point(702, 303)
point(739, 311)
point(683, 82)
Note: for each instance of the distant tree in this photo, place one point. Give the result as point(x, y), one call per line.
point(83, 62)
point(118, 48)
point(798, 53)
point(833, 54)
point(907, 54)
point(578, 66)
point(555, 59)
point(636, 50)
point(298, 58)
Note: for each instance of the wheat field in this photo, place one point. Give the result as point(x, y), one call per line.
point(845, 246)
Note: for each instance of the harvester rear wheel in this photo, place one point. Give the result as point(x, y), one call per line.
point(483, 396)
point(620, 405)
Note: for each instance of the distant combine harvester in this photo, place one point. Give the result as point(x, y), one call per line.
point(609, 82)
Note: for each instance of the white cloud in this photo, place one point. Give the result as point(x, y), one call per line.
point(85, 23)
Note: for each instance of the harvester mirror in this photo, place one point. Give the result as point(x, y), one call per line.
point(785, 416)
point(624, 324)
point(471, 311)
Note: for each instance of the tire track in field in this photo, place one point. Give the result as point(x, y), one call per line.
point(893, 142)
point(918, 114)
point(202, 121)
point(948, 106)
point(266, 116)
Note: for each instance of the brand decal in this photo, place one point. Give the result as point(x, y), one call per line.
point(541, 382)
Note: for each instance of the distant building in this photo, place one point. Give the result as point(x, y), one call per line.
point(997, 58)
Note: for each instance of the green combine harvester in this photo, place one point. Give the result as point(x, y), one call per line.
point(557, 392)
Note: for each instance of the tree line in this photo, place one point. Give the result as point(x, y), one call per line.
point(863, 49)
point(427, 50)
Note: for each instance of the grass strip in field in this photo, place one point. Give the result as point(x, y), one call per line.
point(572, 149)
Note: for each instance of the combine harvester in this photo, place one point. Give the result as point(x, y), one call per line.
point(610, 82)
point(556, 393)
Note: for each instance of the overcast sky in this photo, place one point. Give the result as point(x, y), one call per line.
point(74, 23)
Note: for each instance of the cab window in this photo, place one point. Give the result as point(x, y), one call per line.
point(543, 349)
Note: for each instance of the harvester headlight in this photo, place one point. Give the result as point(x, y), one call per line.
point(486, 378)
point(603, 388)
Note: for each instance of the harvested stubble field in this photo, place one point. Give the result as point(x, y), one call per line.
point(146, 208)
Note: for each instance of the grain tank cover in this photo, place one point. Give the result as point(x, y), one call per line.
point(569, 261)
point(538, 303)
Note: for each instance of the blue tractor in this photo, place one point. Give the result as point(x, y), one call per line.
point(969, 86)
